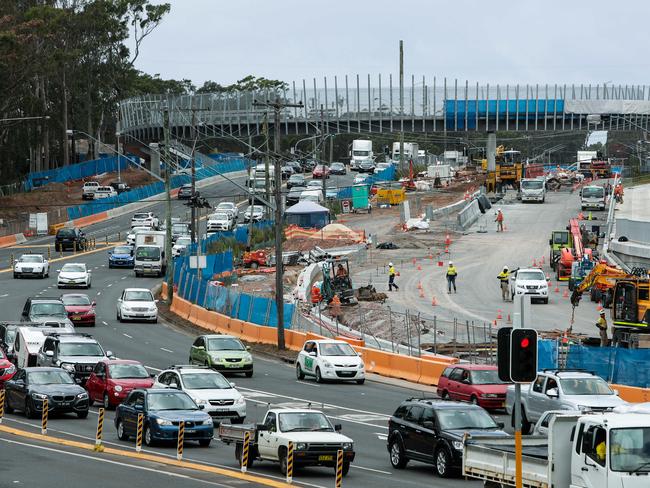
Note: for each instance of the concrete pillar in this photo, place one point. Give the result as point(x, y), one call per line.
point(154, 161)
point(491, 151)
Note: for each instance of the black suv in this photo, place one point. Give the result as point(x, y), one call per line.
point(68, 237)
point(431, 431)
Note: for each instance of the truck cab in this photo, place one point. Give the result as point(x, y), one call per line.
point(533, 190)
point(593, 197)
point(150, 256)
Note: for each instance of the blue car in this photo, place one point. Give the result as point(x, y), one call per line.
point(163, 409)
point(121, 257)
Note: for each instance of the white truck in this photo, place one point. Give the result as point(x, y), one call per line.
point(315, 440)
point(593, 197)
point(581, 451)
point(150, 256)
point(584, 159)
point(411, 152)
point(361, 151)
point(533, 190)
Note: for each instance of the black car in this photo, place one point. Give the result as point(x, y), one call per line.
point(185, 192)
point(30, 386)
point(387, 245)
point(308, 165)
point(69, 238)
point(296, 180)
point(297, 167)
point(120, 187)
point(293, 196)
point(338, 169)
point(431, 431)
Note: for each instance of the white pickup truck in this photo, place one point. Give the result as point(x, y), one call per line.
point(315, 440)
point(562, 390)
point(582, 451)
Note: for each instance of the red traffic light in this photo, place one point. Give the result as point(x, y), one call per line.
point(525, 343)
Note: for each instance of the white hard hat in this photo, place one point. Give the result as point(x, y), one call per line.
point(505, 268)
point(451, 263)
point(390, 264)
point(498, 210)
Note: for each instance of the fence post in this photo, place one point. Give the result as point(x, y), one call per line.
point(100, 431)
point(138, 437)
point(268, 312)
point(339, 468)
point(435, 334)
point(290, 463)
point(44, 415)
point(181, 440)
point(245, 451)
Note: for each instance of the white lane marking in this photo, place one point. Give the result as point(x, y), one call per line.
point(99, 293)
point(124, 277)
point(109, 285)
point(108, 461)
point(358, 422)
point(381, 437)
point(361, 417)
point(5, 295)
point(127, 335)
point(308, 384)
point(166, 350)
point(105, 323)
point(370, 469)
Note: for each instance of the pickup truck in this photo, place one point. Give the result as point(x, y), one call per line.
point(581, 451)
point(562, 390)
point(315, 440)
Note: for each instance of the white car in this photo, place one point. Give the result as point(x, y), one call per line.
point(130, 237)
point(220, 221)
point(74, 275)
point(180, 245)
point(315, 185)
point(32, 265)
point(144, 219)
point(330, 360)
point(381, 167)
point(257, 211)
point(209, 389)
point(360, 179)
point(137, 304)
point(104, 192)
point(228, 207)
point(88, 190)
point(529, 281)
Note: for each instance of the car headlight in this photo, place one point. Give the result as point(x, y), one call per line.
point(218, 359)
point(39, 396)
point(458, 445)
point(302, 446)
point(163, 422)
point(240, 401)
point(207, 422)
point(248, 357)
point(11, 369)
point(118, 388)
point(347, 446)
point(68, 367)
point(200, 401)
point(361, 365)
point(82, 396)
point(327, 364)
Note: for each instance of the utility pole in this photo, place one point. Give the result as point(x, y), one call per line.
point(277, 106)
point(401, 105)
point(320, 152)
point(168, 214)
point(194, 228)
point(251, 198)
point(267, 177)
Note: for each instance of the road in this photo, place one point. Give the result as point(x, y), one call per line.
point(362, 410)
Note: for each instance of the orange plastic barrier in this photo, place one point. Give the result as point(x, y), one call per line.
point(7, 241)
point(430, 372)
point(440, 358)
point(633, 394)
point(294, 340)
point(351, 341)
point(268, 335)
point(90, 219)
point(181, 307)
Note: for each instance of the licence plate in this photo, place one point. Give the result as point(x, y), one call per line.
point(139, 315)
point(232, 365)
point(326, 458)
point(76, 318)
point(66, 404)
point(190, 431)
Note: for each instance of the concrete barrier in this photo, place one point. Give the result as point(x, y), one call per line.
point(468, 215)
point(90, 219)
point(12, 240)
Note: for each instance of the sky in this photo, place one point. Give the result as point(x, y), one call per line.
point(485, 41)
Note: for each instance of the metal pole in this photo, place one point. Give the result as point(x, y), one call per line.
point(279, 265)
point(517, 323)
point(401, 105)
point(195, 222)
point(168, 213)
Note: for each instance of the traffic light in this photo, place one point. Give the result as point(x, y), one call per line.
point(503, 353)
point(523, 355)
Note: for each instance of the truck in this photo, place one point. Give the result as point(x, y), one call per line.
point(560, 239)
point(411, 152)
point(533, 190)
point(593, 197)
point(581, 451)
point(361, 151)
point(27, 343)
point(592, 164)
point(562, 390)
point(150, 256)
point(315, 440)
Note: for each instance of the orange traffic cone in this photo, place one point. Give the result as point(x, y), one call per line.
point(447, 240)
point(431, 256)
point(419, 268)
point(565, 339)
point(534, 263)
point(494, 324)
point(566, 293)
point(421, 293)
point(543, 260)
point(447, 249)
point(433, 301)
point(557, 288)
point(509, 319)
point(499, 315)
point(440, 264)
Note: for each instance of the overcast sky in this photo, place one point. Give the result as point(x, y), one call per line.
point(496, 41)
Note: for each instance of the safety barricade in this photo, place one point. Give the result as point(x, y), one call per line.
point(90, 219)
point(181, 307)
point(351, 341)
point(430, 371)
point(633, 394)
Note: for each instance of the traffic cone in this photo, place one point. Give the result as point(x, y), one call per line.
point(566, 293)
point(543, 260)
point(431, 256)
point(447, 249)
point(557, 288)
point(419, 268)
point(565, 339)
point(440, 264)
point(534, 263)
point(447, 240)
point(494, 324)
point(433, 301)
point(421, 293)
point(419, 285)
point(499, 315)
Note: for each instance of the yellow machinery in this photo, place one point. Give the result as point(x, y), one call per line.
point(631, 303)
point(508, 170)
point(391, 196)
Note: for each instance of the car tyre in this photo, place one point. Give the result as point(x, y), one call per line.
point(525, 424)
point(319, 378)
point(300, 375)
point(444, 395)
point(148, 438)
point(43, 275)
point(82, 415)
point(346, 468)
point(106, 401)
point(545, 301)
point(204, 442)
point(396, 453)
point(443, 463)
point(283, 461)
point(29, 410)
point(8, 407)
point(248, 374)
point(121, 434)
point(119, 317)
point(473, 400)
point(361, 381)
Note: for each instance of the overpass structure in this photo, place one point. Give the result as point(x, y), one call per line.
point(364, 105)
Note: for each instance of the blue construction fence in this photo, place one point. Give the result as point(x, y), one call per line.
point(616, 365)
point(387, 174)
point(137, 194)
point(240, 233)
point(457, 111)
point(77, 171)
point(215, 264)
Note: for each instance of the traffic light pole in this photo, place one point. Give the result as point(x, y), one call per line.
point(517, 323)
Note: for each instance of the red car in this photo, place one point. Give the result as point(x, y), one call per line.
point(81, 310)
point(321, 171)
point(475, 383)
point(7, 369)
point(113, 379)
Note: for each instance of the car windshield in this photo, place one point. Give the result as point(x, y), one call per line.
point(53, 309)
point(337, 165)
point(66, 233)
point(181, 228)
point(335, 349)
point(593, 192)
point(561, 238)
point(127, 371)
point(75, 300)
point(138, 296)
point(147, 253)
point(171, 401)
point(320, 167)
point(183, 241)
point(585, 386)
point(80, 349)
point(486, 377)
point(465, 418)
point(10, 335)
point(219, 216)
point(225, 344)
point(532, 185)
point(256, 209)
point(205, 381)
point(122, 250)
point(629, 449)
point(31, 259)
point(360, 153)
point(304, 421)
point(73, 268)
point(531, 275)
point(49, 378)
point(226, 205)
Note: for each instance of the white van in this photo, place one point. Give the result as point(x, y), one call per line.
point(315, 196)
point(26, 346)
point(104, 192)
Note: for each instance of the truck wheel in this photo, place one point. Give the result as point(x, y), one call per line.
point(397, 457)
point(238, 453)
point(346, 468)
point(283, 461)
point(299, 374)
point(29, 410)
point(204, 442)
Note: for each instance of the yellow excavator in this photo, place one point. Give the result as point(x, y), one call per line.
point(508, 170)
point(599, 282)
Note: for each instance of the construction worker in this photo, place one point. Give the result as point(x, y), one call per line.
point(499, 220)
point(602, 327)
point(341, 272)
point(504, 280)
point(618, 193)
point(391, 277)
point(451, 277)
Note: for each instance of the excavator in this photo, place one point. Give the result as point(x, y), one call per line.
point(508, 170)
point(599, 282)
point(564, 264)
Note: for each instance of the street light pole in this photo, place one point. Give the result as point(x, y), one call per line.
point(169, 278)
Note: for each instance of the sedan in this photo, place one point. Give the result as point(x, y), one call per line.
point(297, 167)
point(257, 213)
point(130, 237)
point(338, 169)
point(314, 185)
point(7, 369)
point(286, 171)
point(296, 180)
point(113, 379)
point(185, 192)
point(321, 171)
point(387, 245)
point(81, 310)
point(74, 275)
point(163, 409)
point(137, 304)
point(180, 245)
point(32, 265)
point(30, 386)
point(293, 196)
point(229, 207)
point(477, 384)
point(121, 257)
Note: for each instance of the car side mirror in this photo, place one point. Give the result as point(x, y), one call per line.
point(152, 375)
point(465, 381)
point(615, 392)
point(233, 384)
point(550, 242)
point(49, 354)
point(200, 348)
point(553, 393)
point(110, 354)
point(501, 425)
point(174, 385)
point(201, 407)
point(312, 354)
point(248, 348)
point(138, 407)
point(338, 427)
point(93, 304)
point(427, 424)
point(156, 301)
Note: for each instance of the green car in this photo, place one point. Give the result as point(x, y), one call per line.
point(224, 353)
